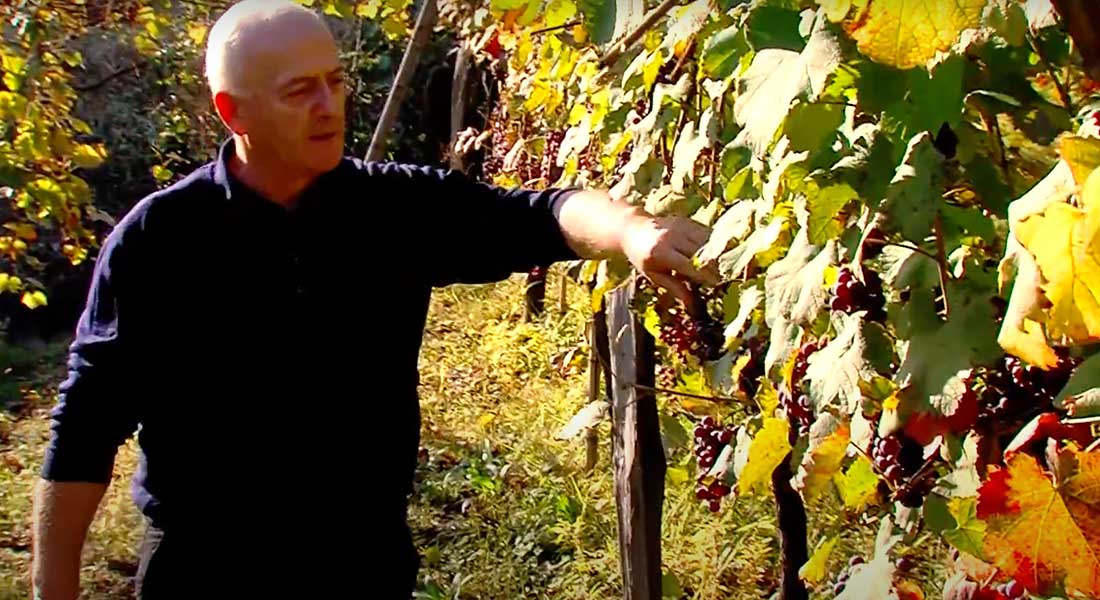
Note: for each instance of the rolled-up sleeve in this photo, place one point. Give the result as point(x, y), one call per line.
point(95, 412)
point(479, 233)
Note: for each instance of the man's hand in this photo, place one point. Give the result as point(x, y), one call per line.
point(661, 248)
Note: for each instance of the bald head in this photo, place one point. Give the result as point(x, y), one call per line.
point(247, 34)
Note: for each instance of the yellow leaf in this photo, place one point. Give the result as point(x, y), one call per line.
point(769, 448)
point(161, 174)
point(12, 105)
point(33, 300)
point(485, 420)
point(767, 398)
point(24, 231)
point(394, 26)
point(4, 280)
point(858, 486)
point(580, 33)
point(909, 33)
point(653, 68)
point(89, 156)
point(1082, 155)
point(197, 33)
point(1065, 242)
point(823, 462)
point(836, 10)
point(814, 571)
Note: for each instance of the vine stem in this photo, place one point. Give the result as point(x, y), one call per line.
point(1063, 91)
point(942, 261)
point(651, 19)
point(556, 28)
point(906, 246)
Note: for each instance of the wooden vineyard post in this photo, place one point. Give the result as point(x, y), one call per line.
point(793, 547)
point(639, 456)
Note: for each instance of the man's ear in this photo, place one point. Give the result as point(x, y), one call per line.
point(229, 111)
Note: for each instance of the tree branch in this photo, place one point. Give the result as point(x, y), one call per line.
point(87, 87)
point(556, 28)
point(618, 48)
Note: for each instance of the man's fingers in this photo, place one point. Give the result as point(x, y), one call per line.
point(695, 232)
point(673, 285)
point(683, 265)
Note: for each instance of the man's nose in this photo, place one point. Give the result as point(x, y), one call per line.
point(327, 101)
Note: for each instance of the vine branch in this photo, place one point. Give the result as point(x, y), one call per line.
point(556, 28)
point(87, 87)
point(618, 48)
point(1063, 91)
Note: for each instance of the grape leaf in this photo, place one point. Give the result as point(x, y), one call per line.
point(816, 569)
point(968, 534)
point(963, 480)
point(1021, 334)
point(606, 21)
point(937, 353)
point(1065, 242)
point(938, 95)
point(836, 370)
point(734, 261)
point(823, 458)
point(774, 79)
point(812, 126)
point(824, 206)
point(689, 145)
point(749, 301)
point(774, 27)
point(1046, 538)
point(686, 21)
point(912, 200)
point(835, 10)
point(734, 224)
point(794, 286)
point(858, 486)
point(909, 33)
point(723, 51)
point(1009, 20)
point(1081, 154)
point(769, 448)
point(1085, 377)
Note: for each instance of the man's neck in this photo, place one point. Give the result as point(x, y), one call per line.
point(269, 181)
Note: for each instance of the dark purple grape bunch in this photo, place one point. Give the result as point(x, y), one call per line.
point(710, 440)
point(702, 337)
point(899, 458)
point(1013, 388)
point(796, 404)
point(851, 295)
point(666, 377)
point(551, 172)
point(623, 158)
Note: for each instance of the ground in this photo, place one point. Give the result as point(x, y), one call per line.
point(501, 510)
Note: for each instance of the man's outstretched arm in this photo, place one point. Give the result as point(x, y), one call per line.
point(595, 226)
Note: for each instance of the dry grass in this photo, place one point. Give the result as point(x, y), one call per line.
point(502, 509)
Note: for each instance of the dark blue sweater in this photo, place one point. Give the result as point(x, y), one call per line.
point(267, 357)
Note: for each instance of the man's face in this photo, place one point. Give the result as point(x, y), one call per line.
point(294, 108)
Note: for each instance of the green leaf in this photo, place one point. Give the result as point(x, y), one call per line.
point(879, 86)
point(912, 198)
point(723, 51)
point(560, 12)
point(938, 351)
point(607, 21)
point(937, 515)
point(506, 5)
point(988, 182)
point(774, 27)
point(774, 79)
point(812, 126)
point(1009, 20)
point(969, 533)
point(769, 448)
point(161, 174)
point(736, 186)
point(858, 486)
point(816, 569)
point(937, 98)
point(824, 208)
point(1085, 377)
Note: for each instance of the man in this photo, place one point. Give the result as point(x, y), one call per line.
point(258, 323)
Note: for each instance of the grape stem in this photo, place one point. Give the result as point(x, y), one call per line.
point(556, 28)
point(942, 262)
point(618, 48)
point(1063, 92)
point(870, 459)
point(906, 246)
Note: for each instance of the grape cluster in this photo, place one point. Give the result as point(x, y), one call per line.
point(498, 143)
point(961, 588)
point(710, 439)
point(551, 172)
point(851, 295)
point(845, 574)
point(1013, 390)
point(623, 159)
point(666, 377)
point(702, 338)
point(899, 458)
point(796, 404)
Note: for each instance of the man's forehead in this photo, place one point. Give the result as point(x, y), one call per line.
point(280, 55)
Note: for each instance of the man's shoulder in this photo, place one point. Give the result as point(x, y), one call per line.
point(171, 206)
point(394, 170)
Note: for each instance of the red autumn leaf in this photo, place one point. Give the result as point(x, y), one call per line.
point(1042, 536)
point(1048, 426)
